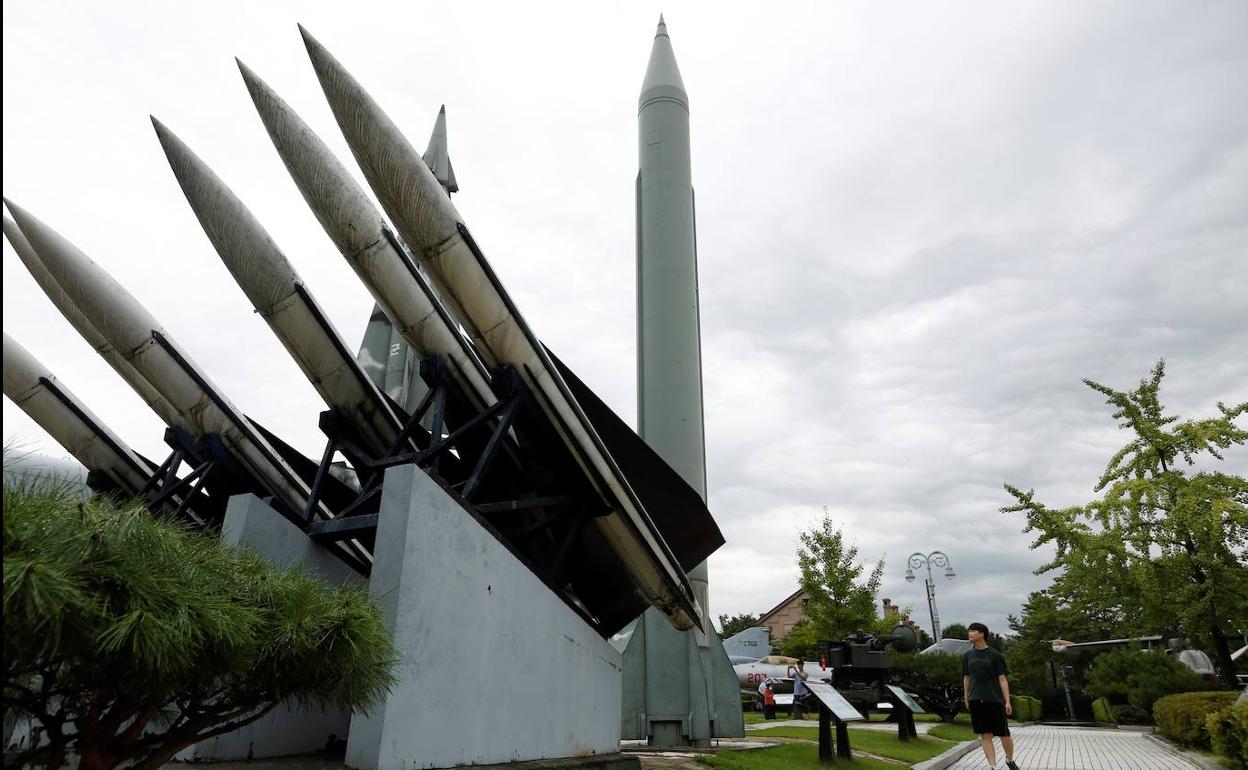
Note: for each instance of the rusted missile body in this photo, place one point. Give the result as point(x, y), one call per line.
point(281, 297)
point(363, 238)
point(200, 407)
point(30, 385)
point(429, 223)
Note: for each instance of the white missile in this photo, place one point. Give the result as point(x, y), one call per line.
point(80, 323)
point(414, 200)
point(361, 235)
point(141, 341)
point(281, 298)
point(30, 385)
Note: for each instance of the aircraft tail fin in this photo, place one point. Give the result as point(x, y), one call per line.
point(752, 643)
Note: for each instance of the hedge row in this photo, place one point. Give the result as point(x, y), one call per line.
point(1183, 718)
point(1228, 734)
point(1026, 709)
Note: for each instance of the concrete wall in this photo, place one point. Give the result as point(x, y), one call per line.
point(250, 522)
point(496, 668)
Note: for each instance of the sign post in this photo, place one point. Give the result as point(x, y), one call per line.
point(833, 707)
point(905, 708)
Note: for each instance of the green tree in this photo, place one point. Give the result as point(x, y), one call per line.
point(802, 641)
point(128, 638)
point(1047, 615)
point(937, 678)
point(839, 600)
point(735, 624)
point(954, 631)
point(1161, 542)
point(1139, 677)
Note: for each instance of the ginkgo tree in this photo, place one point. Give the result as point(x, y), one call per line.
point(1166, 540)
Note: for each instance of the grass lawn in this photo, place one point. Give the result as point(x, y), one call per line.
point(794, 756)
point(954, 732)
point(871, 741)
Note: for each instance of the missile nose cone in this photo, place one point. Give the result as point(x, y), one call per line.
point(260, 268)
point(337, 200)
point(115, 314)
point(395, 171)
point(662, 81)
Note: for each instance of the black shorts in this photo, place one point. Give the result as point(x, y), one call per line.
point(989, 717)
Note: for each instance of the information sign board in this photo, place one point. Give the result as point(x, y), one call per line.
point(828, 695)
point(905, 698)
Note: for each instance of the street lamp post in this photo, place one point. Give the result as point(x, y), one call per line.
point(937, 559)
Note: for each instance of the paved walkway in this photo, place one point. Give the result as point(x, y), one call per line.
point(1073, 748)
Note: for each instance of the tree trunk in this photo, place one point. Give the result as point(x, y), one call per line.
point(1223, 650)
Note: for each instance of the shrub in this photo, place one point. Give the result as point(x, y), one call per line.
point(936, 678)
point(1140, 677)
point(1182, 718)
point(1102, 711)
point(1125, 714)
point(1228, 734)
point(127, 638)
point(1026, 709)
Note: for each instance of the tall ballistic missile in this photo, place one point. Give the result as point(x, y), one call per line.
point(280, 296)
point(668, 672)
point(139, 339)
point(80, 323)
point(414, 200)
point(30, 385)
point(361, 235)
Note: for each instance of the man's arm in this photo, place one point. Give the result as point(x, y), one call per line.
point(966, 690)
point(1005, 693)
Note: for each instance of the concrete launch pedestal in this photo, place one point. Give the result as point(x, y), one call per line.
point(250, 522)
point(495, 667)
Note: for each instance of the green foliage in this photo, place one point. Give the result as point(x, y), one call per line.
point(790, 756)
point(147, 638)
point(839, 601)
point(1060, 612)
point(802, 641)
point(1102, 711)
point(953, 631)
point(935, 678)
point(1228, 734)
point(1161, 542)
point(1139, 677)
point(1026, 709)
point(954, 732)
point(1126, 714)
point(735, 624)
point(878, 742)
point(1183, 718)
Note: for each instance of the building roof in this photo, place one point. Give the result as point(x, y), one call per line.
point(781, 605)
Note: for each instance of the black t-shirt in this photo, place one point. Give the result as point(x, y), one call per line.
point(983, 667)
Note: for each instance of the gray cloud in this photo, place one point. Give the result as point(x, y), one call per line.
point(918, 230)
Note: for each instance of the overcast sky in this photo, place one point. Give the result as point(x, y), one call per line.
point(919, 226)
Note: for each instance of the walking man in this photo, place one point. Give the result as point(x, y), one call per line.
point(987, 695)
